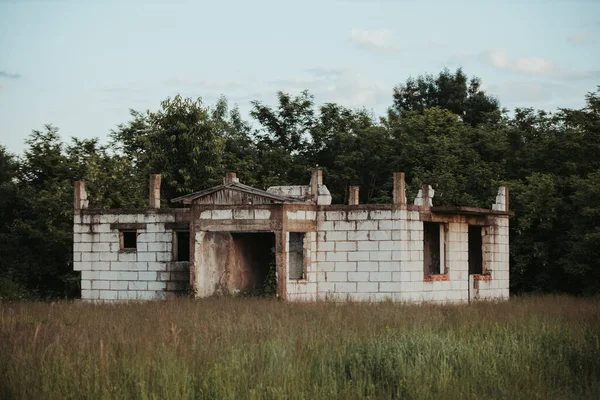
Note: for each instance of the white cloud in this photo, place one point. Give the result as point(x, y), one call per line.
point(374, 40)
point(338, 85)
point(500, 59)
point(578, 38)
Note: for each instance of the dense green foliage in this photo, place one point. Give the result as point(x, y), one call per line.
point(442, 130)
point(228, 348)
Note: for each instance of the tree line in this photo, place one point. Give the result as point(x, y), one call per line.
point(441, 129)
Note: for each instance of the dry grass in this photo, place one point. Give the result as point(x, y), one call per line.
point(536, 347)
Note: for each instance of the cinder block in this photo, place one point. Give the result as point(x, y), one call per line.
point(347, 287)
point(90, 257)
point(180, 276)
point(322, 256)
point(400, 255)
point(389, 266)
point(402, 235)
point(335, 215)
point(145, 237)
point(386, 225)
point(164, 256)
point(326, 246)
point(345, 246)
point(367, 266)
point(86, 294)
point(129, 256)
point(86, 284)
point(358, 215)
point(138, 285)
point(119, 285)
point(337, 256)
point(159, 246)
point(381, 214)
point(392, 245)
point(108, 295)
point(100, 284)
point(358, 235)
point(326, 225)
point(367, 287)
point(380, 276)
point(358, 276)
point(367, 225)
point(164, 237)
point(112, 256)
point(130, 218)
point(147, 276)
point(340, 236)
point(311, 215)
point(157, 266)
point(407, 286)
point(82, 247)
point(157, 286)
point(345, 266)
point(389, 286)
point(358, 256)
point(81, 266)
point(337, 277)
point(100, 228)
point(155, 227)
point(380, 256)
point(326, 287)
point(380, 235)
point(367, 246)
point(100, 265)
point(344, 225)
point(146, 256)
point(90, 274)
point(107, 275)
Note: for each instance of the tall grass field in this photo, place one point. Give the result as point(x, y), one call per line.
point(240, 348)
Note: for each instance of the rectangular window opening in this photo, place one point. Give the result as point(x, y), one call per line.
point(475, 250)
point(182, 248)
point(433, 248)
point(129, 240)
point(296, 255)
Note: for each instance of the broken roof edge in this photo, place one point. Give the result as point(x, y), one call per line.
point(188, 198)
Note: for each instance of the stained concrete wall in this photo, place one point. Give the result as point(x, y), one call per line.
point(108, 273)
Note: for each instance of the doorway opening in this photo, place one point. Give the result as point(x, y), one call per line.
point(475, 250)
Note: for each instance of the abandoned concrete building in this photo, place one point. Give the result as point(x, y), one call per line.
point(234, 238)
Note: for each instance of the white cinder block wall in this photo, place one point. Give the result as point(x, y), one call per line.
point(108, 273)
point(377, 255)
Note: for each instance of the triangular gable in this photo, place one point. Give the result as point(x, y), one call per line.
point(235, 194)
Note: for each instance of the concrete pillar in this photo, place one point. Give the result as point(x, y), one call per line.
point(315, 181)
point(501, 200)
point(399, 193)
point(353, 198)
point(154, 200)
point(230, 177)
point(80, 196)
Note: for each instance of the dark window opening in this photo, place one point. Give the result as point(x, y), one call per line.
point(183, 246)
point(475, 250)
point(432, 254)
point(129, 240)
point(296, 255)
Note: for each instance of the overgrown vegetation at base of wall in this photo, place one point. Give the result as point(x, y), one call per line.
point(228, 348)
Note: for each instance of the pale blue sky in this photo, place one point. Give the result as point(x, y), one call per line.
point(81, 65)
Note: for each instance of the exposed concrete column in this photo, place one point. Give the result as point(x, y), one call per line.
point(353, 198)
point(399, 192)
point(230, 177)
point(154, 201)
point(80, 196)
point(316, 180)
point(501, 199)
